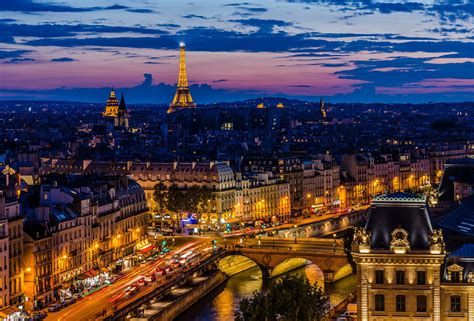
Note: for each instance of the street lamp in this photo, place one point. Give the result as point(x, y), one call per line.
point(295, 226)
point(334, 243)
point(273, 238)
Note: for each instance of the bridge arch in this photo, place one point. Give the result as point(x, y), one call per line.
point(269, 259)
point(343, 272)
point(293, 263)
point(235, 262)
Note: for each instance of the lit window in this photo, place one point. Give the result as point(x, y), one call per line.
point(400, 277)
point(379, 302)
point(455, 303)
point(400, 303)
point(421, 303)
point(379, 277)
point(421, 277)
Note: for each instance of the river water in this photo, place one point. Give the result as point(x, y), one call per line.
point(220, 304)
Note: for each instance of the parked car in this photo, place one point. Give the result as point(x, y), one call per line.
point(70, 301)
point(54, 307)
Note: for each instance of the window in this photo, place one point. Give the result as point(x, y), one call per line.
point(421, 277)
point(455, 303)
point(379, 277)
point(400, 305)
point(400, 277)
point(379, 302)
point(421, 303)
point(455, 277)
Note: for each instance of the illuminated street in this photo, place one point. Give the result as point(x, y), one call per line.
point(93, 305)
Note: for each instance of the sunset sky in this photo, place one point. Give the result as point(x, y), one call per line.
point(357, 51)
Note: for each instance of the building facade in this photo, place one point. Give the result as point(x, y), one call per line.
point(403, 270)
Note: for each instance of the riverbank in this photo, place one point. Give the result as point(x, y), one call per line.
point(181, 298)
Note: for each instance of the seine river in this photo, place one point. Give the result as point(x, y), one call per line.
point(221, 304)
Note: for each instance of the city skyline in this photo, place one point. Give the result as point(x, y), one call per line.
point(355, 51)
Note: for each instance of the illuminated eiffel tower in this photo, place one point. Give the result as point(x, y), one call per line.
point(182, 98)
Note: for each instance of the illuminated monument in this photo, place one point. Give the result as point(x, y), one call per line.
point(112, 105)
point(182, 98)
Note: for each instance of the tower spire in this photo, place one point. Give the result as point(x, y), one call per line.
point(182, 98)
point(121, 119)
point(322, 109)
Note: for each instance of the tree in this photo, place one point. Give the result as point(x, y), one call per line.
point(204, 203)
point(176, 201)
point(292, 299)
point(160, 196)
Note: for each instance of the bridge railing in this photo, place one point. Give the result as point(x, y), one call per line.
point(160, 289)
point(338, 251)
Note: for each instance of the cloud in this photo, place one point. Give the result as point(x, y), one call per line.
point(263, 25)
point(148, 80)
point(300, 86)
point(246, 6)
point(395, 75)
point(193, 16)
point(334, 65)
point(141, 10)
point(253, 9)
point(34, 6)
point(219, 80)
point(63, 59)
point(394, 7)
point(146, 92)
point(12, 53)
point(18, 60)
point(62, 30)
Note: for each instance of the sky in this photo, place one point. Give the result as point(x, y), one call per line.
point(347, 51)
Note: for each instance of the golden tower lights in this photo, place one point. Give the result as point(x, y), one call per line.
point(182, 98)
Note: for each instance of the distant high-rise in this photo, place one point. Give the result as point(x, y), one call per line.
point(182, 98)
point(122, 115)
point(111, 107)
point(322, 109)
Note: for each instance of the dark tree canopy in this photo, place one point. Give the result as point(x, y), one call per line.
point(290, 299)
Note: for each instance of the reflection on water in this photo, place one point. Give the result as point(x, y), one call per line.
point(220, 304)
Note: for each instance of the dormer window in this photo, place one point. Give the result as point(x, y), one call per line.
point(455, 273)
point(455, 277)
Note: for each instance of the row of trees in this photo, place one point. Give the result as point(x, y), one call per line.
point(194, 199)
point(291, 299)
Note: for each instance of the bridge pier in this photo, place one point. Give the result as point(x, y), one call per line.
point(266, 272)
point(329, 276)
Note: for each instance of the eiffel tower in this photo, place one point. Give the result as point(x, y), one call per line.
point(182, 98)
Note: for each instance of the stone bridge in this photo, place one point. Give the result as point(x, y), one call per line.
point(331, 261)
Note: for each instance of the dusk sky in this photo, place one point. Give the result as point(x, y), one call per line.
point(358, 51)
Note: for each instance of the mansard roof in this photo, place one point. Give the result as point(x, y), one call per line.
point(404, 210)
